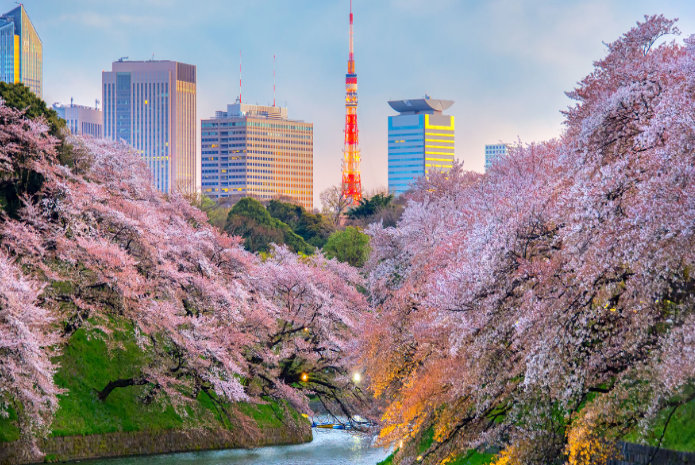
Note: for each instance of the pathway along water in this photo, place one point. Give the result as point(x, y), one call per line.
point(329, 447)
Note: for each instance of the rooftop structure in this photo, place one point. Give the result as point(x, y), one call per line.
point(422, 105)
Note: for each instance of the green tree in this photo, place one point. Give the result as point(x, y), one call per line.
point(20, 97)
point(370, 206)
point(23, 178)
point(216, 213)
point(250, 220)
point(349, 245)
point(314, 228)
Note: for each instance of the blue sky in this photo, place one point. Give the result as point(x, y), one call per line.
point(505, 63)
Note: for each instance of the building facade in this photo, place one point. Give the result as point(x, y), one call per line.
point(420, 141)
point(494, 152)
point(21, 51)
point(82, 120)
point(151, 105)
point(256, 151)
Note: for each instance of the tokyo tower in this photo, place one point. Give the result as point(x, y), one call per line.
point(352, 185)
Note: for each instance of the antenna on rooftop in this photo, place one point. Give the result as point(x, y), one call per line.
point(239, 76)
point(274, 68)
point(122, 59)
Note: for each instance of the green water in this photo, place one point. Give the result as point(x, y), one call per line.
point(329, 447)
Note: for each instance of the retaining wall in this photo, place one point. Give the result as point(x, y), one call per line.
point(152, 442)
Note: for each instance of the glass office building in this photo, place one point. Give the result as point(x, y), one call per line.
point(21, 51)
point(151, 105)
point(81, 120)
point(494, 152)
point(420, 141)
point(256, 151)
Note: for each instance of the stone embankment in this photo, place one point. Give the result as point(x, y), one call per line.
point(154, 442)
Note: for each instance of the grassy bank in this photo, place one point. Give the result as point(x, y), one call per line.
point(92, 358)
point(472, 457)
point(677, 429)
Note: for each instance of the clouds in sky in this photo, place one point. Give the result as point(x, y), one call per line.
point(505, 63)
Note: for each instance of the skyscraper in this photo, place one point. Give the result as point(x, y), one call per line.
point(420, 141)
point(21, 51)
point(82, 120)
point(256, 151)
point(151, 105)
point(494, 152)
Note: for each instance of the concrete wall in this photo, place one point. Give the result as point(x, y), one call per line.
point(153, 442)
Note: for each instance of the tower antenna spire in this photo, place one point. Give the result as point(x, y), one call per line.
point(351, 59)
point(352, 184)
point(239, 76)
point(274, 68)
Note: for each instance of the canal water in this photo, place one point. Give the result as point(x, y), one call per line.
point(329, 447)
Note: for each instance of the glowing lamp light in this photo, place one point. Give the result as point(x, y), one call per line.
point(304, 377)
point(356, 377)
point(306, 330)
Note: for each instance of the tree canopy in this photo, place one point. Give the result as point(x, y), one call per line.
point(369, 206)
point(20, 97)
point(547, 306)
point(314, 228)
point(349, 245)
point(90, 245)
point(249, 219)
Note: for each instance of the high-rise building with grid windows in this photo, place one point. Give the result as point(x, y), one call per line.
point(494, 152)
point(151, 105)
point(420, 141)
point(82, 120)
point(21, 51)
point(256, 151)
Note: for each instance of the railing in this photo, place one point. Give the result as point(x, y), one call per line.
point(637, 454)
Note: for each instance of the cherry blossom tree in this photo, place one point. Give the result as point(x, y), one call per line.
point(210, 316)
point(318, 307)
point(28, 339)
point(547, 305)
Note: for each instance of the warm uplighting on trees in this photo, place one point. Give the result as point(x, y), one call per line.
point(555, 288)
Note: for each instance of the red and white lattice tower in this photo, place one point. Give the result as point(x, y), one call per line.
point(352, 184)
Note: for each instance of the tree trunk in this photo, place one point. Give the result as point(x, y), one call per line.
point(104, 393)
